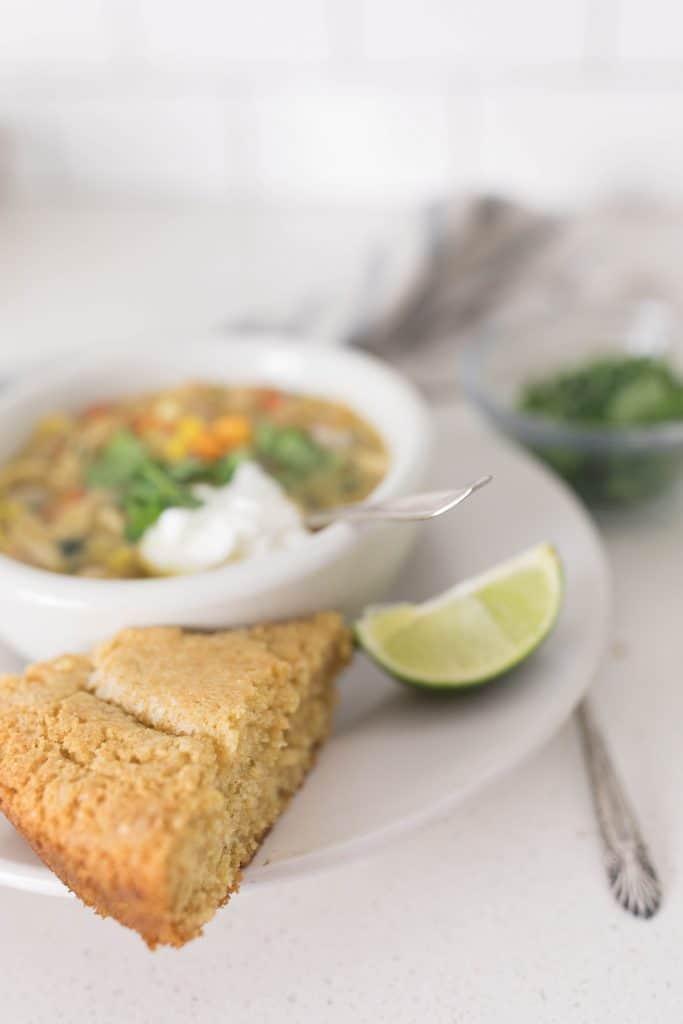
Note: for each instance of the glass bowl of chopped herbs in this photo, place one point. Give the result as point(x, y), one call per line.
point(589, 394)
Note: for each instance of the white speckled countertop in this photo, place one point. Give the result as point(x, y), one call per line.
point(499, 912)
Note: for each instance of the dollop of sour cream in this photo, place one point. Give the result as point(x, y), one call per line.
point(249, 517)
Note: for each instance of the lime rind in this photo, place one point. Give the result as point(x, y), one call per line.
point(474, 632)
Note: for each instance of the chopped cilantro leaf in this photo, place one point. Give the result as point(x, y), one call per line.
point(119, 461)
point(290, 449)
point(145, 487)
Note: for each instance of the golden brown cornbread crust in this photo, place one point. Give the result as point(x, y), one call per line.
point(148, 795)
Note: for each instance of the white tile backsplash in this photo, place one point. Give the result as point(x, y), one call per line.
point(352, 143)
point(337, 99)
point(473, 33)
point(218, 31)
point(562, 145)
point(153, 148)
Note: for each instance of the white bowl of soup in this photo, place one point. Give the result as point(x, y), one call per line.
point(139, 489)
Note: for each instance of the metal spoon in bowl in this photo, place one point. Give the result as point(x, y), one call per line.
point(427, 505)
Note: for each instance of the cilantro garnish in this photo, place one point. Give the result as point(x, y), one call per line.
point(145, 487)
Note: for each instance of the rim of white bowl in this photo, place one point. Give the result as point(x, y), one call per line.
point(43, 586)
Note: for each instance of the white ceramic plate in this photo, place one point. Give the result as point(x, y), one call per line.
point(397, 757)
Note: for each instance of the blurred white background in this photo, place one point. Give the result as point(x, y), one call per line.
point(337, 100)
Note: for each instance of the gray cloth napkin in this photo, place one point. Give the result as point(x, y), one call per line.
point(493, 259)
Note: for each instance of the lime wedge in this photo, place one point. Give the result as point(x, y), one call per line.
point(475, 631)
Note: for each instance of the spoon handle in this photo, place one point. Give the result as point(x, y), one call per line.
point(632, 877)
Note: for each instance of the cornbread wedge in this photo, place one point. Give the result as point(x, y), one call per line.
point(147, 774)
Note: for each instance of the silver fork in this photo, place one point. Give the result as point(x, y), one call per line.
point(632, 876)
point(428, 505)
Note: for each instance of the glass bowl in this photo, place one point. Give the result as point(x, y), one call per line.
point(605, 465)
